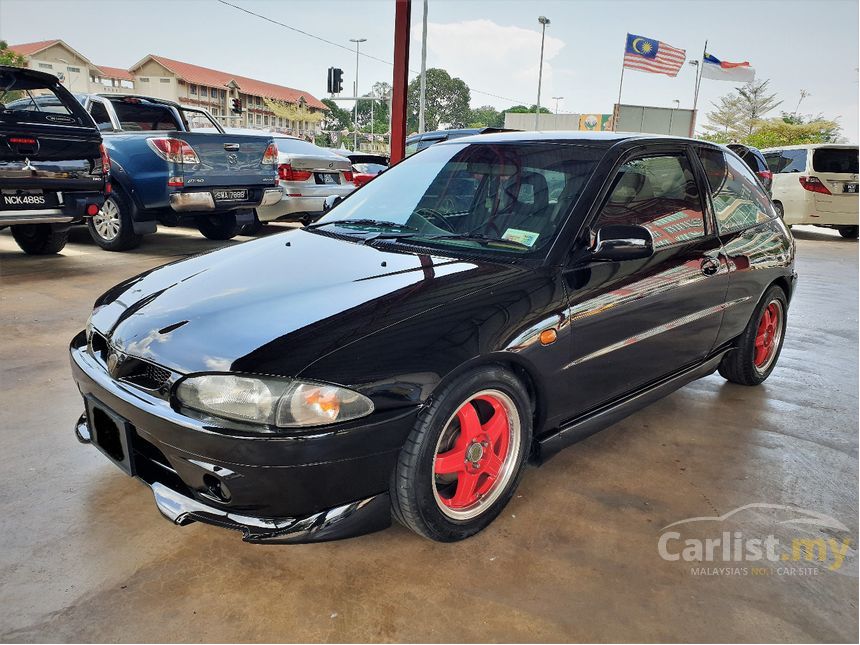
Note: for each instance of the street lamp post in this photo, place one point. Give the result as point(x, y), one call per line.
point(544, 21)
point(355, 109)
point(557, 99)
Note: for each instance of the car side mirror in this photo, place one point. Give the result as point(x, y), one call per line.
point(330, 202)
point(622, 242)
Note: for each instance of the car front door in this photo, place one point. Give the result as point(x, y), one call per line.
point(634, 322)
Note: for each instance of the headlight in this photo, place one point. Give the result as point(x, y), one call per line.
point(280, 402)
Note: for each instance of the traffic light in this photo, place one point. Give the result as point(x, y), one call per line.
point(236, 106)
point(335, 80)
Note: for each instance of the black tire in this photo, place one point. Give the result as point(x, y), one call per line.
point(220, 226)
point(113, 227)
point(849, 232)
point(739, 364)
point(40, 239)
point(417, 491)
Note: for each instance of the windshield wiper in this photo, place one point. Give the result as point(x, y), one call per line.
point(483, 240)
point(365, 222)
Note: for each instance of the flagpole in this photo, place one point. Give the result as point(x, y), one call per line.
point(699, 76)
point(620, 83)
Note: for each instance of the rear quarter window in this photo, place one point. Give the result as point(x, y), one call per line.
point(786, 161)
point(738, 200)
point(835, 160)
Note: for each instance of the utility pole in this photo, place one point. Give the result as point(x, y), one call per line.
point(544, 21)
point(423, 93)
point(355, 109)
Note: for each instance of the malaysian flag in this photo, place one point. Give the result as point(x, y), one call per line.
point(649, 55)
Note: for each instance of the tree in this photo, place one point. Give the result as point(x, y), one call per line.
point(790, 130)
point(726, 118)
point(522, 109)
point(337, 118)
point(447, 101)
point(382, 92)
point(9, 57)
point(753, 103)
point(486, 116)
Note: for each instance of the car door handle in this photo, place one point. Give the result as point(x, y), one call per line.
point(710, 266)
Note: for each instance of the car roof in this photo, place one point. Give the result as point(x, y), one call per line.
point(575, 136)
point(455, 132)
point(812, 146)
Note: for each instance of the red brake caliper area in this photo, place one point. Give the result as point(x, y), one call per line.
point(765, 339)
point(477, 455)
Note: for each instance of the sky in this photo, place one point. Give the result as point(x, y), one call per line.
point(493, 45)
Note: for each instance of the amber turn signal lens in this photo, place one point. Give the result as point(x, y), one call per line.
point(548, 336)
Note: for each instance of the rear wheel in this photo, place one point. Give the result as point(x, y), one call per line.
point(464, 458)
point(758, 348)
point(112, 227)
point(221, 226)
point(40, 239)
point(848, 232)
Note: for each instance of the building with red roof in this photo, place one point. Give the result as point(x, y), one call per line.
point(263, 105)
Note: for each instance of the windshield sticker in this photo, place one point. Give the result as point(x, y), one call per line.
point(523, 237)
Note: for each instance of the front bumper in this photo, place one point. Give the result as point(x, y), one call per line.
point(202, 201)
point(297, 488)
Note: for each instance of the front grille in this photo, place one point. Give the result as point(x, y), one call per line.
point(146, 375)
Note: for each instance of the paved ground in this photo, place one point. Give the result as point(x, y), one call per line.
point(85, 556)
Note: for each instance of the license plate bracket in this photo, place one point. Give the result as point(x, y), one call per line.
point(111, 434)
point(230, 195)
point(849, 187)
point(21, 200)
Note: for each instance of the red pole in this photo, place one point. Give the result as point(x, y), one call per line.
point(402, 16)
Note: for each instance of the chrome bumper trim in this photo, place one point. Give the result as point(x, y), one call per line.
point(272, 196)
point(189, 202)
point(44, 216)
point(356, 518)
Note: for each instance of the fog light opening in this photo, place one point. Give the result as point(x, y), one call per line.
point(216, 488)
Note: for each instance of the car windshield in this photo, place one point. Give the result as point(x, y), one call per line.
point(487, 197)
point(836, 160)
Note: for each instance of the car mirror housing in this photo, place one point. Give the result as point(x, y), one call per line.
point(622, 242)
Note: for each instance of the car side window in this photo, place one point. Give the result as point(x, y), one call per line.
point(659, 193)
point(100, 115)
point(787, 161)
point(738, 200)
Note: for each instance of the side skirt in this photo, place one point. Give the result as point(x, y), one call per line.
point(588, 424)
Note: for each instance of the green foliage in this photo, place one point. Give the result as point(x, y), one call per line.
point(446, 101)
point(737, 118)
point(793, 130)
point(486, 116)
point(522, 109)
point(382, 92)
point(10, 58)
point(337, 118)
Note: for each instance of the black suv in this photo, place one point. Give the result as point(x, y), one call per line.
point(53, 167)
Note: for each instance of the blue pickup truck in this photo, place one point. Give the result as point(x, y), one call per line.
point(163, 170)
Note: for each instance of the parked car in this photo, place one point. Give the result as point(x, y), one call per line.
point(53, 167)
point(307, 174)
point(365, 167)
point(816, 184)
point(417, 142)
point(754, 158)
point(169, 170)
point(427, 351)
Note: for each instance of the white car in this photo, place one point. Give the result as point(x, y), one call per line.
point(816, 184)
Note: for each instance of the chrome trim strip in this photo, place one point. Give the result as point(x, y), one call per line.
point(43, 216)
point(659, 329)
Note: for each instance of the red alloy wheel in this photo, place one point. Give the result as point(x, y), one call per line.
point(479, 457)
point(767, 335)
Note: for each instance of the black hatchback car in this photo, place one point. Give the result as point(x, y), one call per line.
point(478, 305)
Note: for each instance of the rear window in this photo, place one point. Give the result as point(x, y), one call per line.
point(838, 160)
point(299, 147)
point(786, 161)
point(27, 100)
point(134, 115)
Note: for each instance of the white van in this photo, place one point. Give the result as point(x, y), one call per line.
point(816, 184)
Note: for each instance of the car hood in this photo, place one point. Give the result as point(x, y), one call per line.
point(277, 304)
